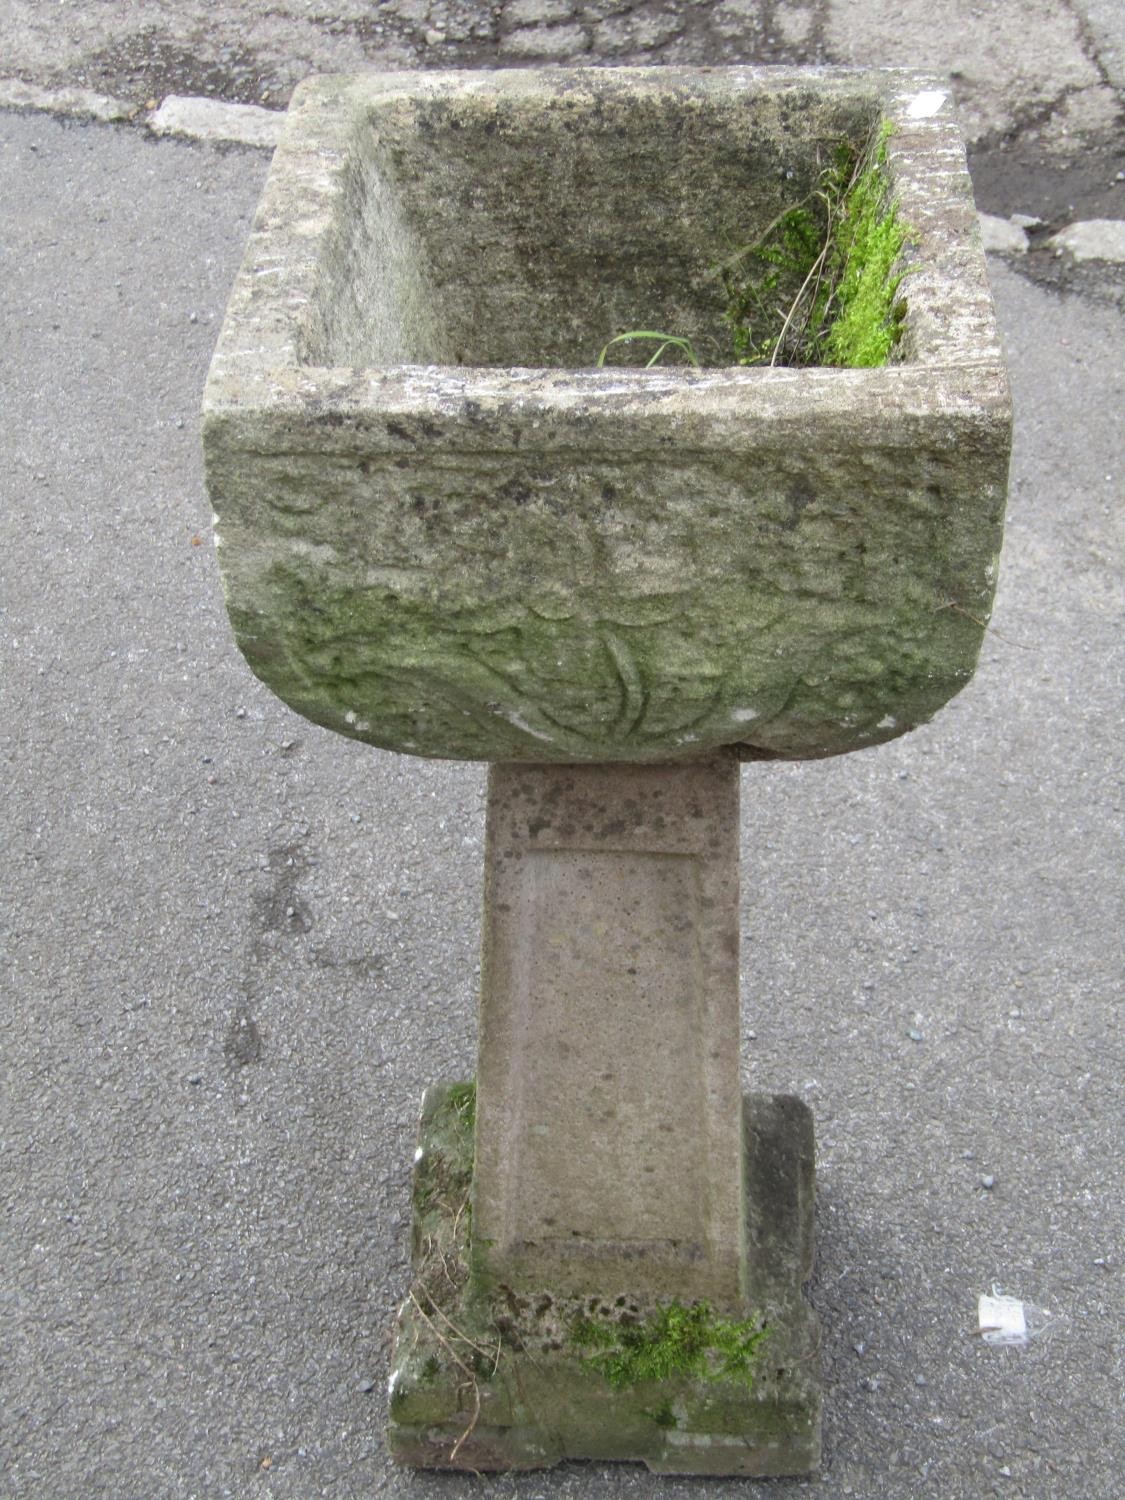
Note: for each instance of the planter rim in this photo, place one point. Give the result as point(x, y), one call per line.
point(950, 325)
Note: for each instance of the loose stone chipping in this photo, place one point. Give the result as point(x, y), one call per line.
point(444, 532)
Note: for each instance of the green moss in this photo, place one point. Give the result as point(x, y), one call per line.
point(462, 1100)
point(495, 1378)
point(868, 238)
point(674, 1340)
point(826, 268)
point(664, 1416)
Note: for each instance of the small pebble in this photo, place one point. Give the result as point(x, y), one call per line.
point(919, 1380)
point(366, 1386)
point(860, 1349)
point(988, 1181)
point(915, 1035)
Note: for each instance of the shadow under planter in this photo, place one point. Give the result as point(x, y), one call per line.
point(444, 530)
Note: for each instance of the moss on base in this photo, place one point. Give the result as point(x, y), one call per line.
point(495, 1380)
point(674, 1340)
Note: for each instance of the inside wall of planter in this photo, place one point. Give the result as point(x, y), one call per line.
point(494, 229)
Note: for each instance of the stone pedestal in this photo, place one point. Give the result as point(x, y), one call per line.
point(609, 1248)
point(445, 530)
point(609, 1144)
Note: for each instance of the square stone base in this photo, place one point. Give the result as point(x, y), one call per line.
point(488, 1378)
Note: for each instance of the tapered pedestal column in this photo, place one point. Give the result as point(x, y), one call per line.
point(609, 1134)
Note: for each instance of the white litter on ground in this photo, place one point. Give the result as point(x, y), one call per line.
point(1001, 1320)
point(1004, 1320)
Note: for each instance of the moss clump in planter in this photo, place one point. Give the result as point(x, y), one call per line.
point(674, 1340)
point(826, 269)
point(820, 286)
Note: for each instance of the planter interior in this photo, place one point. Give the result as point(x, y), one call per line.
point(506, 228)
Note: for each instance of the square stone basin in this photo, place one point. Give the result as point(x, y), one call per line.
point(444, 530)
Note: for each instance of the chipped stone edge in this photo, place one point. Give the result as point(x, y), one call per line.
point(195, 118)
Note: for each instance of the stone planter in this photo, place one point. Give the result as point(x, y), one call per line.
point(443, 530)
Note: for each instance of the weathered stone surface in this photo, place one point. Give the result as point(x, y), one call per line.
point(501, 1381)
point(609, 1140)
point(443, 531)
point(17, 93)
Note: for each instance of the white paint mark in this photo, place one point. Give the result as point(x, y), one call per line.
point(925, 104)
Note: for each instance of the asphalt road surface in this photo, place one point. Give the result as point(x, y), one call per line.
point(236, 948)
